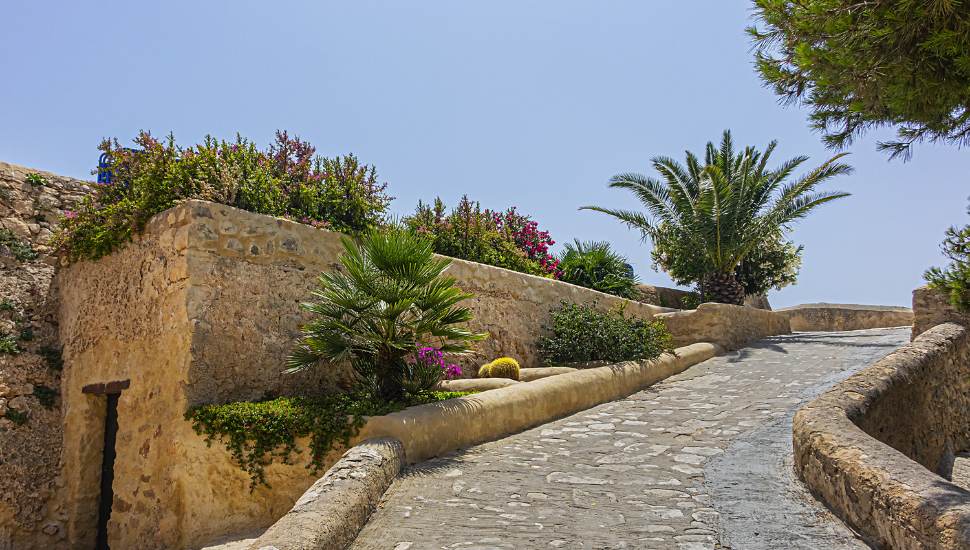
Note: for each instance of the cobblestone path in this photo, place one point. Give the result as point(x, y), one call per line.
point(698, 461)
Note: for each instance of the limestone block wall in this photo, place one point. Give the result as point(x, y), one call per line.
point(932, 308)
point(838, 317)
point(725, 325)
point(878, 468)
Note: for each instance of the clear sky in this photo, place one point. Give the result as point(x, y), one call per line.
point(530, 104)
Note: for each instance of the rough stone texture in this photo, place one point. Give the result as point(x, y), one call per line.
point(725, 325)
point(669, 467)
point(870, 447)
point(30, 453)
point(757, 302)
point(663, 297)
point(932, 308)
point(331, 513)
point(823, 317)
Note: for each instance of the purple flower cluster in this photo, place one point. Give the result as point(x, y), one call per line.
point(433, 356)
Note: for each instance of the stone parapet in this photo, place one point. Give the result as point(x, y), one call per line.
point(872, 446)
point(824, 317)
point(931, 308)
point(726, 325)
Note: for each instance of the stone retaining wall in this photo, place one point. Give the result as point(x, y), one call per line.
point(932, 308)
point(837, 317)
point(871, 446)
point(726, 325)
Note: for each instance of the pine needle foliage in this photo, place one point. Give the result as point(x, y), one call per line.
point(954, 280)
point(862, 65)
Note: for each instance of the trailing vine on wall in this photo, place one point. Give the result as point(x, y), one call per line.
point(254, 433)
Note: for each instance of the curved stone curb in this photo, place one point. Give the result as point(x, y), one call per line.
point(824, 317)
point(439, 428)
point(331, 513)
point(917, 399)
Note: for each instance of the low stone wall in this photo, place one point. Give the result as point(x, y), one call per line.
point(932, 308)
point(725, 325)
point(824, 317)
point(663, 297)
point(871, 446)
point(438, 428)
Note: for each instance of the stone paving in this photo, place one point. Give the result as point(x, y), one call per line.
point(698, 461)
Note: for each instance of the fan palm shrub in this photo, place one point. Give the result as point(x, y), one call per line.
point(388, 303)
point(595, 265)
point(725, 207)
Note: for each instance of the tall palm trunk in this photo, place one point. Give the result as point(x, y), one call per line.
point(724, 289)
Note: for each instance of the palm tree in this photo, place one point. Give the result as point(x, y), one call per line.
point(724, 207)
point(391, 302)
point(595, 265)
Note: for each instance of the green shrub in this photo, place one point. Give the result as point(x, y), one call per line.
point(594, 265)
point(503, 239)
point(26, 334)
point(21, 251)
point(17, 417)
point(7, 304)
point(954, 280)
point(46, 396)
point(286, 180)
point(256, 432)
point(8, 344)
point(36, 180)
point(583, 334)
point(52, 356)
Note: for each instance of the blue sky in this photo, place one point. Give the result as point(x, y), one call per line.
point(528, 104)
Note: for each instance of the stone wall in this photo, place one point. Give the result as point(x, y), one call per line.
point(663, 297)
point(838, 317)
point(725, 325)
point(932, 308)
point(30, 452)
point(203, 308)
point(877, 468)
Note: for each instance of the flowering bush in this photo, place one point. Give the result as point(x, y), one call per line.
point(433, 357)
point(285, 180)
point(503, 239)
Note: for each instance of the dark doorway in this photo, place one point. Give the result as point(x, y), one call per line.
point(107, 470)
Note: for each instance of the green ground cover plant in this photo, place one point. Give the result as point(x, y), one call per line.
point(17, 417)
point(8, 344)
point(504, 239)
point(595, 265)
point(954, 279)
point(21, 251)
point(52, 357)
point(255, 433)
point(285, 180)
point(46, 396)
point(583, 334)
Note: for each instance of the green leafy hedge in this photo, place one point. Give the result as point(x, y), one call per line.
point(583, 334)
point(286, 180)
point(256, 432)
